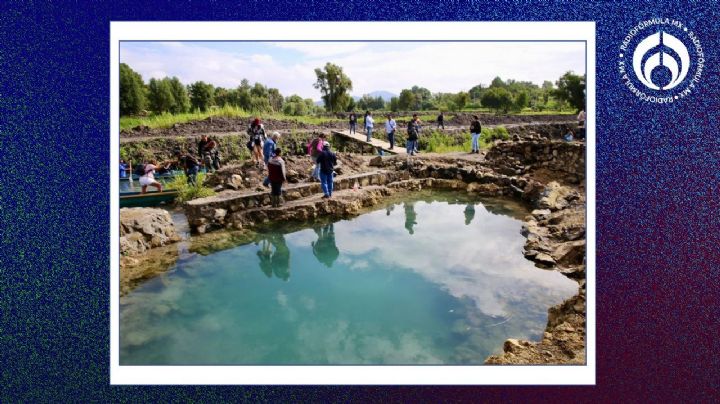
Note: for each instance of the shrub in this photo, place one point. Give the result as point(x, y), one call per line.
point(188, 192)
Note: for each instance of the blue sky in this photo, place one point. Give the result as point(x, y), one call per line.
point(372, 66)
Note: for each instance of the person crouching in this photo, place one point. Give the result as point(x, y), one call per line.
point(276, 175)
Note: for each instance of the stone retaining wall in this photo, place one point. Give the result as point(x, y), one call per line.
point(519, 157)
point(215, 212)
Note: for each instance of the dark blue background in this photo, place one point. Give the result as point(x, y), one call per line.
point(657, 205)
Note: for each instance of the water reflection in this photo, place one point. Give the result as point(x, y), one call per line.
point(274, 256)
point(397, 293)
point(325, 249)
point(410, 216)
point(469, 213)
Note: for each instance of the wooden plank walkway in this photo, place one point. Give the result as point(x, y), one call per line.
point(360, 137)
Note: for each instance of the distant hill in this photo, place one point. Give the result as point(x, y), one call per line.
point(386, 95)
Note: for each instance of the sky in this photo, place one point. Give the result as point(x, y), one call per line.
point(372, 66)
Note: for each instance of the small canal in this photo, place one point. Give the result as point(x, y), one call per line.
point(432, 279)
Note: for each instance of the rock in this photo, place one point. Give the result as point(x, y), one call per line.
point(219, 214)
point(512, 345)
point(541, 214)
point(376, 161)
point(234, 182)
point(554, 197)
point(292, 176)
point(145, 228)
point(544, 259)
point(570, 253)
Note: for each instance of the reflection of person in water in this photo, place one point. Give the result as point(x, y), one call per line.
point(469, 213)
point(324, 248)
point(274, 262)
point(389, 209)
point(410, 216)
point(264, 254)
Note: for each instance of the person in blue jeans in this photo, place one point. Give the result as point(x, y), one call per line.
point(327, 161)
point(369, 125)
point(413, 132)
point(475, 129)
point(353, 122)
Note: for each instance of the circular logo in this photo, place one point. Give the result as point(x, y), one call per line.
point(661, 60)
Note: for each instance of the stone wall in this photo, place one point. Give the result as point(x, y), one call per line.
point(519, 157)
point(144, 228)
point(226, 209)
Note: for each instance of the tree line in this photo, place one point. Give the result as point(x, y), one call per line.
point(169, 95)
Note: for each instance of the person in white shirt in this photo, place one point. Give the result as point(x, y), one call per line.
point(369, 125)
point(390, 126)
point(148, 178)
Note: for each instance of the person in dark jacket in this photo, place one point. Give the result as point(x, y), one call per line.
point(327, 161)
point(189, 164)
point(353, 122)
point(413, 132)
point(441, 120)
point(276, 175)
point(475, 131)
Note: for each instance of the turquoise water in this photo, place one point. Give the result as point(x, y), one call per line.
point(436, 280)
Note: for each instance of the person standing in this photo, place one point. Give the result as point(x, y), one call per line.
point(368, 125)
point(390, 127)
point(413, 132)
point(256, 131)
point(581, 124)
point(441, 120)
point(314, 149)
point(327, 161)
point(268, 150)
point(123, 169)
point(353, 122)
point(276, 175)
point(475, 130)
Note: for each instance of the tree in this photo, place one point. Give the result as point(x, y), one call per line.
point(498, 99)
point(461, 99)
point(406, 100)
point(132, 91)
point(521, 101)
point(571, 88)
point(476, 92)
point(423, 98)
point(181, 101)
point(160, 96)
point(497, 83)
point(276, 99)
point(221, 97)
point(394, 104)
point(334, 86)
point(201, 95)
point(351, 105)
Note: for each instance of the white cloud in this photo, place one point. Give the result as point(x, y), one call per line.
point(438, 66)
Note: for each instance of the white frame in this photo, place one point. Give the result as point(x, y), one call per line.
point(372, 375)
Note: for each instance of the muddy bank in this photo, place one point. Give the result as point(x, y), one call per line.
point(219, 124)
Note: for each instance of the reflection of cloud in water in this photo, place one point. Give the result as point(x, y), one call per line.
point(482, 261)
point(345, 343)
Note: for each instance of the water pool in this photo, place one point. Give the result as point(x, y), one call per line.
point(436, 279)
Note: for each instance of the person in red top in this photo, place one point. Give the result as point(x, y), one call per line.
point(276, 175)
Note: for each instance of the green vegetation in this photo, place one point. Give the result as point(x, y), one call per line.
point(438, 142)
point(188, 192)
point(335, 87)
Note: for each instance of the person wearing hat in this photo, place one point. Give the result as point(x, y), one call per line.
point(475, 130)
point(269, 150)
point(327, 161)
point(256, 131)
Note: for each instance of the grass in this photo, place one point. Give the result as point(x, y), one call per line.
point(168, 120)
point(188, 192)
point(437, 142)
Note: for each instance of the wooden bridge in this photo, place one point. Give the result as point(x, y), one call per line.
point(376, 143)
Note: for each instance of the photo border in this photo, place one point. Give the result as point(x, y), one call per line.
point(360, 32)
